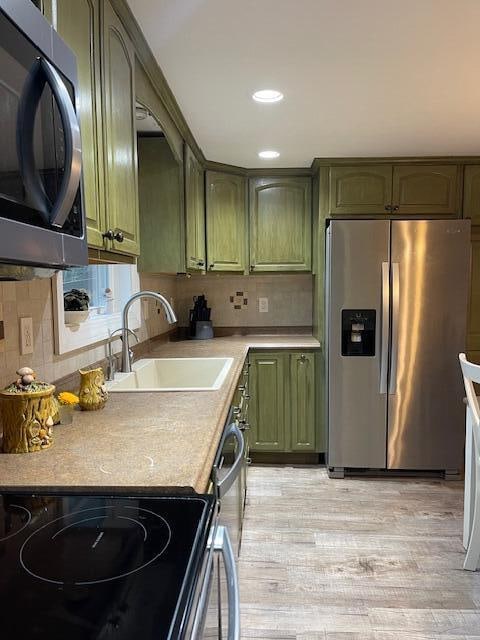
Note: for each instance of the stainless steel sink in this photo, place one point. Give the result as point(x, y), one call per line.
point(173, 374)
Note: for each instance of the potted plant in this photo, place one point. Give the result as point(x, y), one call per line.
point(76, 303)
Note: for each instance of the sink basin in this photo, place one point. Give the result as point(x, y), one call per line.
point(173, 374)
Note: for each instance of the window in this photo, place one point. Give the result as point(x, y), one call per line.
point(108, 288)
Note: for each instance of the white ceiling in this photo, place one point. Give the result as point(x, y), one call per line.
point(360, 77)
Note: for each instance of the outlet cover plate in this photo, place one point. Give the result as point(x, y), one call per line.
point(26, 336)
point(263, 305)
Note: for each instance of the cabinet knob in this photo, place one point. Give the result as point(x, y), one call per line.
point(200, 263)
point(396, 207)
point(211, 266)
point(118, 236)
point(388, 207)
point(303, 357)
point(252, 267)
point(109, 234)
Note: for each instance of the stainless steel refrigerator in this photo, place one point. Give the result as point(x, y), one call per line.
point(396, 302)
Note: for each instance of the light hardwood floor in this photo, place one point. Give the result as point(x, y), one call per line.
point(354, 559)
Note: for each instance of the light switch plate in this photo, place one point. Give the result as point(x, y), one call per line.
point(26, 336)
point(263, 305)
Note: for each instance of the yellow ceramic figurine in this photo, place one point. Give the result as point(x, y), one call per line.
point(93, 391)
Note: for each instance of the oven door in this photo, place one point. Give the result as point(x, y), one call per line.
point(40, 163)
point(217, 613)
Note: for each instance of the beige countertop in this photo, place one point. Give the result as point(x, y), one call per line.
point(143, 442)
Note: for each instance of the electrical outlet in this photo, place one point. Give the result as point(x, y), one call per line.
point(263, 305)
point(26, 336)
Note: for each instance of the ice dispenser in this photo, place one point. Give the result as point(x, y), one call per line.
point(358, 332)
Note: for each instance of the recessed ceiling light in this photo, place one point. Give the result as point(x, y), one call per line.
point(268, 155)
point(268, 95)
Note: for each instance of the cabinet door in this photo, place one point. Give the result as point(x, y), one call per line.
point(473, 336)
point(280, 224)
point(225, 217)
point(302, 402)
point(471, 194)
point(360, 190)
point(194, 212)
point(267, 402)
point(160, 185)
point(427, 189)
point(78, 23)
point(120, 134)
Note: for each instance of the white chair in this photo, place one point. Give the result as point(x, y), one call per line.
point(471, 374)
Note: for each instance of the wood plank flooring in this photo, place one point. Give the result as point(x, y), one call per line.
point(354, 559)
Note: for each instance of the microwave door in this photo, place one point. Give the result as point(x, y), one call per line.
point(45, 83)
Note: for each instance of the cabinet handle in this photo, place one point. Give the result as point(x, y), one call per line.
point(388, 207)
point(396, 207)
point(200, 263)
point(109, 234)
point(118, 236)
point(252, 267)
point(237, 411)
point(303, 357)
point(211, 266)
point(249, 461)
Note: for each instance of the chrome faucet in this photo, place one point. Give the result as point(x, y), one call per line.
point(171, 318)
point(111, 359)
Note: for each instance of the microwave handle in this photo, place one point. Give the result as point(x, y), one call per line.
point(43, 72)
point(223, 545)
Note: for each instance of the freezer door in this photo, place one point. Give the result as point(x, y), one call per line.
point(430, 280)
point(357, 273)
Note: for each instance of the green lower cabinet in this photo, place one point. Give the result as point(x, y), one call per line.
point(267, 402)
point(302, 402)
point(282, 404)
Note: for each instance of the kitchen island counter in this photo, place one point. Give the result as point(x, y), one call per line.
point(143, 442)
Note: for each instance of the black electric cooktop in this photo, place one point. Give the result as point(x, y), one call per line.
point(99, 568)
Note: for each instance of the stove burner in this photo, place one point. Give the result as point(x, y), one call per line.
point(95, 545)
point(16, 519)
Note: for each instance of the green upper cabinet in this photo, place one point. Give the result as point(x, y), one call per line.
point(426, 189)
point(280, 224)
point(471, 193)
point(267, 404)
point(78, 23)
point(119, 133)
point(363, 189)
point(302, 401)
point(194, 212)
point(160, 184)
point(226, 222)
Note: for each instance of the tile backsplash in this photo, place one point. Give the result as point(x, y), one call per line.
point(34, 299)
point(235, 299)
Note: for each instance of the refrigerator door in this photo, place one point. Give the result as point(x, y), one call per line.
point(430, 278)
point(357, 280)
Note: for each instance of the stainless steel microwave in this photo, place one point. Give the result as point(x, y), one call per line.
point(42, 223)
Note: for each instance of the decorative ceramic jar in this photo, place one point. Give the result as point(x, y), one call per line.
point(27, 418)
point(93, 391)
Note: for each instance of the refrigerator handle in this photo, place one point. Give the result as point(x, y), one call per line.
point(395, 314)
point(385, 326)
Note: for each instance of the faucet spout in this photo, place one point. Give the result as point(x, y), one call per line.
point(169, 312)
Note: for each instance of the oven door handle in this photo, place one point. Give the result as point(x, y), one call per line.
point(225, 483)
point(201, 610)
point(223, 545)
point(42, 73)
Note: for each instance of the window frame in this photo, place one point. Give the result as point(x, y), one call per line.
point(95, 329)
